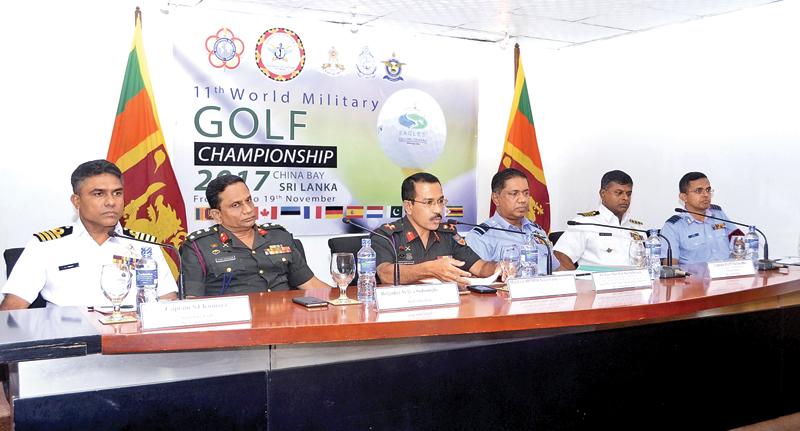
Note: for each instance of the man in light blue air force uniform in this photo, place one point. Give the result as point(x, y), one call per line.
point(697, 238)
point(511, 196)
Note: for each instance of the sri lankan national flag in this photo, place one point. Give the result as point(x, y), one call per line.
point(153, 201)
point(521, 151)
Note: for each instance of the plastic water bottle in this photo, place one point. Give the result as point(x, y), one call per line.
point(653, 252)
point(528, 261)
point(752, 244)
point(146, 279)
point(366, 272)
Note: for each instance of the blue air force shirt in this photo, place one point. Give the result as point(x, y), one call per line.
point(695, 241)
point(488, 243)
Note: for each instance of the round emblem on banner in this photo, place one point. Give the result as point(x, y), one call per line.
point(280, 54)
point(412, 129)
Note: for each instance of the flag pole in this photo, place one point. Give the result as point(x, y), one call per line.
point(516, 62)
point(137, 16)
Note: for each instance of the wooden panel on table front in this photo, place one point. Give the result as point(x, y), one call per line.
point(277, 320)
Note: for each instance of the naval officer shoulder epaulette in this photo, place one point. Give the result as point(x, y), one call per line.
point(636, 222)
point(139, 235)
point(55, 233)
point(589, 213)
point(674, 219)
point(201, 233)
point(481, 229)
point(716, 207)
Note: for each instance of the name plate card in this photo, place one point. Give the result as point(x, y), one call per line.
point(416, 295)
point(172, 314)
point(539, 287)
point(730, 268)
point(543, 305)
point(615, 280)
point(418, 314)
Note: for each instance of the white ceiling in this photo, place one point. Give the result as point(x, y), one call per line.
point(549, 23)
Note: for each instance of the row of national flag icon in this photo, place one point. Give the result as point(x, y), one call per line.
point(327, 212)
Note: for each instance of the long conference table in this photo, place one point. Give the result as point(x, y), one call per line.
point(690, 353)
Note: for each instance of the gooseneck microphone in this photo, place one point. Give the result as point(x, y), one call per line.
point(667, 271)
point(113, 234)
point(545, 240)
point(764, 264)
point(392, 246)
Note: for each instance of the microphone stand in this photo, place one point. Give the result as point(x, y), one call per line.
point(392, 245)
point(112, 233)
point(764, 264)
point(545, 240)
point(667, 271)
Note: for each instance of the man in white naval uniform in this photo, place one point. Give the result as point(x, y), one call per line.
point(594, 245)
point(64, 263)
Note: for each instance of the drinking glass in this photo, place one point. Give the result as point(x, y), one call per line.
point(115, 280)
point(343, 269)
point(637, 254)
point(509, 261)
point(738, 247)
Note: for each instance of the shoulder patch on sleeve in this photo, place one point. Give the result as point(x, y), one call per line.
point(589, 213)
point(55, 233)
point(636, 222)
point(716, 207)
point(481, 229)
point(201, 233)
point(139, 235)
point(674, 219)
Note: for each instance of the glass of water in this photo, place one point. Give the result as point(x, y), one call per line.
point(509, 261)
point(343, 270)
point(637, 254)
point(738, 247)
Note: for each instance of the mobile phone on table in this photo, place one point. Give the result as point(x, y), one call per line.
point(482, 289)
point(310, 301)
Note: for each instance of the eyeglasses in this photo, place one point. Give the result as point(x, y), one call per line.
point(700, 190)
point(430, 203)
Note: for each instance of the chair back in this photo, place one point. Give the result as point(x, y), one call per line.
point(11, 255)
point(347, 244)
point(554, 236)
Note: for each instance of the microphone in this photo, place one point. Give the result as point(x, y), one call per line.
point(545, 240)
point(392, 246)
point(763, 264)
point(667, 271)
point(113, 234)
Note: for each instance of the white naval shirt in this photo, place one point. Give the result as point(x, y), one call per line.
point(67, 270)
point(594, 245)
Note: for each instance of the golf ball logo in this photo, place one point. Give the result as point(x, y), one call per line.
point(411, 129)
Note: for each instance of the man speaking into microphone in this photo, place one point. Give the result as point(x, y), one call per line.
point(425, 247)
point(64, 263)
point(511, 197)
point(593, 245)
point(696, 238)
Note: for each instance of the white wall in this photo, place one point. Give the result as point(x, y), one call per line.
point(719, 95)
